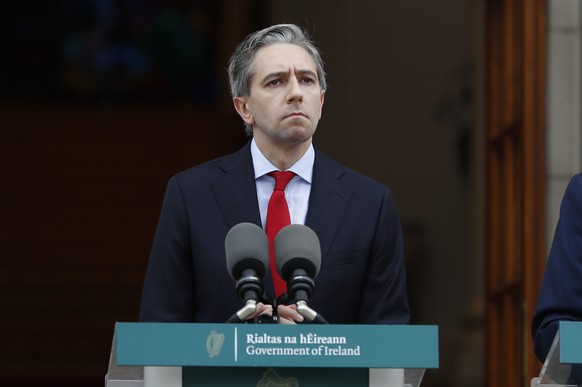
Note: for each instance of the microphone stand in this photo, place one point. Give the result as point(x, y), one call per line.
point(244, 313)
point(302, 287)
point(250, 308)
point(249, 287)
point(310, 314)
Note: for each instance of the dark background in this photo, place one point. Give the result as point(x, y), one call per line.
point(102, 101)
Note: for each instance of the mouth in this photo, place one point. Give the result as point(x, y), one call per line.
point(295, 115)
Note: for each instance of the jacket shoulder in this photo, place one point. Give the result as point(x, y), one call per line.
point(346, 175)
point(217, 166)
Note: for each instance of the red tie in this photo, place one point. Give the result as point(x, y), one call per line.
point(277, 218)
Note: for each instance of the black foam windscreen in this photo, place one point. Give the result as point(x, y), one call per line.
point(297, 247)
point(247, 247)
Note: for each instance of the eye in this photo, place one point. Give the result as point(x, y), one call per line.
point(308, 80)
point(274, 82)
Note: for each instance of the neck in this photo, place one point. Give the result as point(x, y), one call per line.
point(283, 156)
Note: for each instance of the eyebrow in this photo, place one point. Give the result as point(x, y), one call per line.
point(278, 74)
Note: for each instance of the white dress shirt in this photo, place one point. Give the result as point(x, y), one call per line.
point(297, 191)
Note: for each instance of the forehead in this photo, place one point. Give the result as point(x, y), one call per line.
point(282, 58)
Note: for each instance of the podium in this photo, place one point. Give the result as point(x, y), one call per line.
point(184, 354)
point(563, 365)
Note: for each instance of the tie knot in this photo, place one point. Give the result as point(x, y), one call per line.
point(281, 179)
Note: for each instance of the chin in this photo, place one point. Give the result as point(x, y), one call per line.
point(299, 133)
point(298, 139)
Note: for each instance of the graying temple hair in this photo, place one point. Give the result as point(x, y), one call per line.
point(240, 65)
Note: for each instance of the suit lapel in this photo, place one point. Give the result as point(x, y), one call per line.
point(235, 189)
point(328, 202)
point(236, 194)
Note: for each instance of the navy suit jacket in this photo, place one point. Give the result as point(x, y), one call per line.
point(560, 297)
point(362, 276)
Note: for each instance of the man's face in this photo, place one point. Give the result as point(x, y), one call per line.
point(285, 101)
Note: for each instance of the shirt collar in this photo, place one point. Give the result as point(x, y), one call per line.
point(303, 167)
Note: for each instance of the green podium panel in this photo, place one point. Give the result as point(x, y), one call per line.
point(570, 342)
point(272, 345)
point(563, 365)
point(267, 355)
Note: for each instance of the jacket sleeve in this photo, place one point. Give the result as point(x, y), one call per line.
point(168, 292)
point(384, 298)
point(560, 297)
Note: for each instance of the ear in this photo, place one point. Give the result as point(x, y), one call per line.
point(322, 98)
point(242, 108)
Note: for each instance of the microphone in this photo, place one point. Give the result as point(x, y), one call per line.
point(298, 259)
point(247, 257)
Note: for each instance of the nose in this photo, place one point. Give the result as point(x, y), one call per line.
point(295, 92)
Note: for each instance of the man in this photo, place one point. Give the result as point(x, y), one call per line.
point(278, 87)
point(560, 297)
